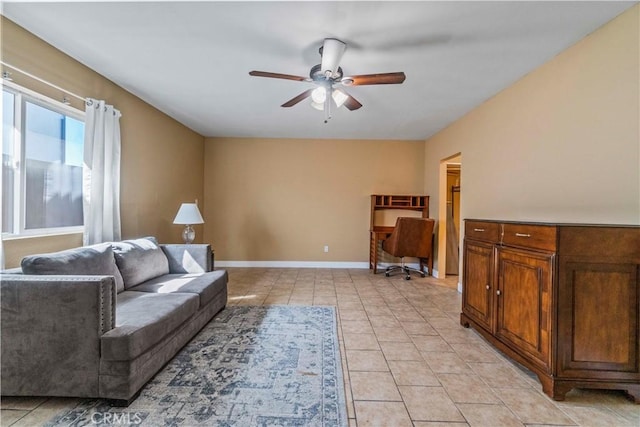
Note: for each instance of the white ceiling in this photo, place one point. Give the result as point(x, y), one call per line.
point(191, 59)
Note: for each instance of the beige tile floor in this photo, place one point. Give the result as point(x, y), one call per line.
point(406, 359)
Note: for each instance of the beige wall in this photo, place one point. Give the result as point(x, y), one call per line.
point(16, 249)
point(161, 159)
point(283, 200)
point(561, 144)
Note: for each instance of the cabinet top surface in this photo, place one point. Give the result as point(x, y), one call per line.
point(553, 224)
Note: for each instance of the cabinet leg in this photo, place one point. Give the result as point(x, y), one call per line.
point(634, 392)
point(463, 321)
point(558, 390)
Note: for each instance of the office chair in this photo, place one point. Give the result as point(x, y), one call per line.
point(411, 237)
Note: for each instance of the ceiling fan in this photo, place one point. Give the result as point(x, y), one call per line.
point(327, 75)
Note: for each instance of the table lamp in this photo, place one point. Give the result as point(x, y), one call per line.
point(188, 214)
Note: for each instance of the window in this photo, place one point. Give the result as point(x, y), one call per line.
point(42, 145)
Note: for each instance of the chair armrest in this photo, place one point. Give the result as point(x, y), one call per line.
point(188, 258)
point(51, 329)
point(390, 244)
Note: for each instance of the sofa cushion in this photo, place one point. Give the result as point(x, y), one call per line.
point(87, 260)
point(140, 260)
point(206, 285)
point(191, 258)
point(144, 319)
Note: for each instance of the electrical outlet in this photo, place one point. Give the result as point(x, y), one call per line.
point(326, 248)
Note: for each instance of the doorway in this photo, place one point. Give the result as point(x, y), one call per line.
point(449, 214)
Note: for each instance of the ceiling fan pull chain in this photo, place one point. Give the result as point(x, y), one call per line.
point(327, 104)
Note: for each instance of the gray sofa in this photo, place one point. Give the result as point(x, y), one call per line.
point(102, 320)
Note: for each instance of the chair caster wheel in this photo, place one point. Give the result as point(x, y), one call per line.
point(423, 275)
point(407, 278)
point(386, 274)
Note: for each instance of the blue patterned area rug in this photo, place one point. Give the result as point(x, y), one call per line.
point(250, 366)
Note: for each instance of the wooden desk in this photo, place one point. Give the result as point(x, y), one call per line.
point(377, 235)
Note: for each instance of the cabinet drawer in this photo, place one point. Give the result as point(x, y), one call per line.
point(530, 236)
point(486, 231)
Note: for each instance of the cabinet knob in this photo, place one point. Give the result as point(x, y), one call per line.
point(498, 292)
point(488, 287)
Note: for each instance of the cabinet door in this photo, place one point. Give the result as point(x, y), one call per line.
point(524, 303)
point(598, 330)
point(477, 287)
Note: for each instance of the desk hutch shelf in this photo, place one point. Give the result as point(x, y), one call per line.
point(379, 202)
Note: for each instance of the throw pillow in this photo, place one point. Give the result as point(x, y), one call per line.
point(140, 260)
point(87, 260)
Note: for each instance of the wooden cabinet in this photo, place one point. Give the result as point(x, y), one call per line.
point(562, 299)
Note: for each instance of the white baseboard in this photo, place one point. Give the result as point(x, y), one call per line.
point(292, 264)
point(459, 287)
point(312, 264)
point(305, 264)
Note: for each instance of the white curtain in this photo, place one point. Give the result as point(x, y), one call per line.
point(101, 173)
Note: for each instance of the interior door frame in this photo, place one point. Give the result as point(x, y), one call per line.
point(442, 212)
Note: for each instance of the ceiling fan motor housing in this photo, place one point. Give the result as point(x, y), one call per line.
point(331, 54)
point(317, 75)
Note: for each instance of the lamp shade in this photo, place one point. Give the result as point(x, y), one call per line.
point(188, 214)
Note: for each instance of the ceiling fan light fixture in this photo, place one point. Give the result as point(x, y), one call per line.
point(339, 97)
point(319, 94)
point(317, 105)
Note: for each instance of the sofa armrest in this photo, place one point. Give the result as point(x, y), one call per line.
point(51, 329)
point(188, 258)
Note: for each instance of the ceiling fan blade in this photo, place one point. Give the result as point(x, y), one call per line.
point(295, 100)
point(351, 103)
point(374, 79)
point(332, 51)
point(277, 76)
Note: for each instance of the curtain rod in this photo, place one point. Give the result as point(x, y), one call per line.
point(82, 98)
